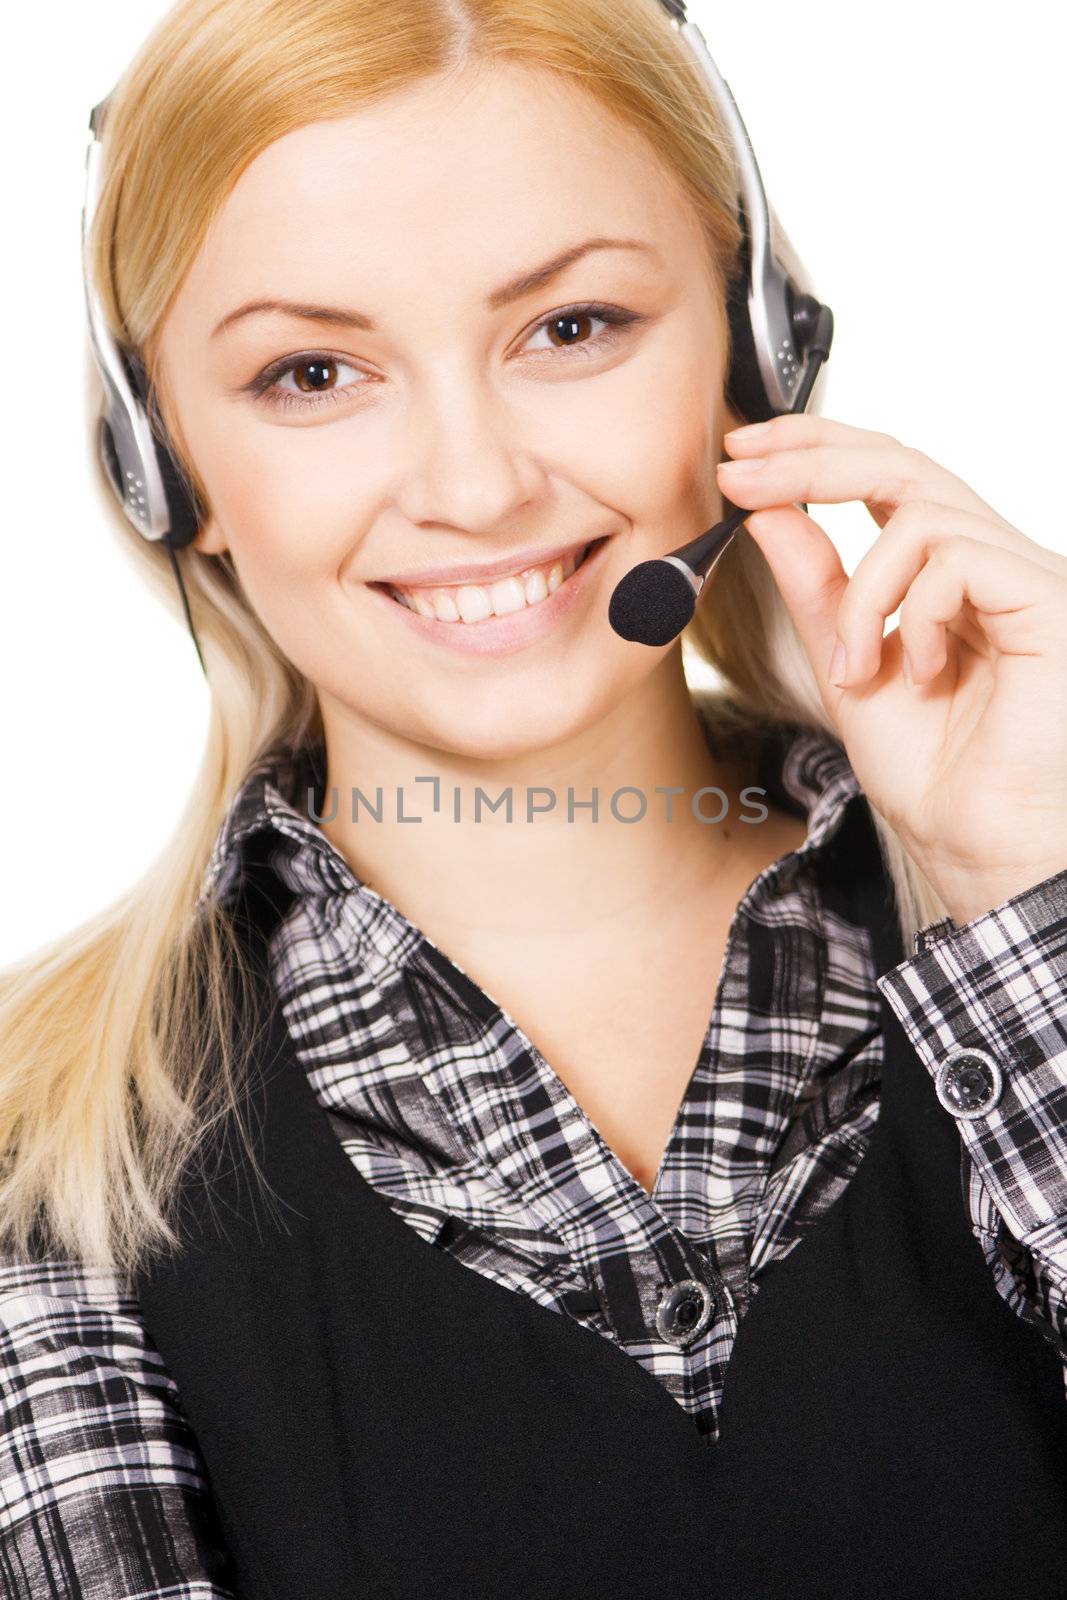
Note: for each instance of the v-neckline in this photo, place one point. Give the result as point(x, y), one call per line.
point(300, 1117)
point(418, 945)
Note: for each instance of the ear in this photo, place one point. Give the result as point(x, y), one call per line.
point(209, 540)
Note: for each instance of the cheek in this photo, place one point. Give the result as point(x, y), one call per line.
point(653, 442)
point(287, 494)
point(288, 509)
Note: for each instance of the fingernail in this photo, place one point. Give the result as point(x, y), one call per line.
point(751, 430)
point(750, 464)
point(837, 664)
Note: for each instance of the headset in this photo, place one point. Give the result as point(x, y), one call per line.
point(146, 477)
point(779, 334)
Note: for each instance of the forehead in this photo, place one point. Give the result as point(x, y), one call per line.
point(468, 175)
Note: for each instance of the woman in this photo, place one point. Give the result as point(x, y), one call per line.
point(570, 1287)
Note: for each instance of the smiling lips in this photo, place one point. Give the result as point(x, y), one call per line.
point(472, 602)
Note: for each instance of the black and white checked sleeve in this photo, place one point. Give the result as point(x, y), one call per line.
point(999, 983)
point(103, 1495)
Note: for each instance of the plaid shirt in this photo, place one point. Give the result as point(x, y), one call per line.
point(453, 1115)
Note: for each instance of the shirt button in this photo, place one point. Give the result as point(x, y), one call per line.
point(685, 1311)
point(580, 1302)
point(969, 1083)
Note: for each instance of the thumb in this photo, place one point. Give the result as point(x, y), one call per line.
point(810, 575)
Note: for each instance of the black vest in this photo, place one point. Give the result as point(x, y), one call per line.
point(379, 1420)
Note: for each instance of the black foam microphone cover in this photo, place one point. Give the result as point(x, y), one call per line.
point(652, 603)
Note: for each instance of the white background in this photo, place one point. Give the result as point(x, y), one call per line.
point(913, 152)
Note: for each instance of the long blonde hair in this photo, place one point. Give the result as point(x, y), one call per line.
point(104, 1090)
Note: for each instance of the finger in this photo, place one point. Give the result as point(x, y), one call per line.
point(1018, 605)
point(797, 430)
point(811, 579)
point(887, 570)
point(883, 476)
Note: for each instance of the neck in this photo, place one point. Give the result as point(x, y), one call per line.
point(550, 877)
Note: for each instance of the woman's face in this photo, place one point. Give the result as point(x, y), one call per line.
point(416, 405)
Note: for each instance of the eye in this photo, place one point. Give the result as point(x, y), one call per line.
point(569, 329)
point(315, 375)
point(315, 381)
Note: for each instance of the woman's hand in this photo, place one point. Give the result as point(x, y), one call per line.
point(967, 757)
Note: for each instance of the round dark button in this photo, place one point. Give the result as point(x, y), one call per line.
point(969, 1083)
point(685, 1311)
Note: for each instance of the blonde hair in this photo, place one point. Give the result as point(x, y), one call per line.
point(105, 1085)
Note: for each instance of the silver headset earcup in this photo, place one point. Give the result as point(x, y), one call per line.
point(182, 512)
point(745, 389)
point(110, 456)
point(184, 515)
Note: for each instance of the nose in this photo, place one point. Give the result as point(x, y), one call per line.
point(468, 466)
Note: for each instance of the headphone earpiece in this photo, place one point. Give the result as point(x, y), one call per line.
point(745, 389)
point(109, 456)
point(185, 520)
point(182, 511)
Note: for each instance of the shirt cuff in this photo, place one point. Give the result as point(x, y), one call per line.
point(985, 1007)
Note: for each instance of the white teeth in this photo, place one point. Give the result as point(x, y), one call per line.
point(474, 603)
point(507, 595)
point(536, 588)
point(445, 608)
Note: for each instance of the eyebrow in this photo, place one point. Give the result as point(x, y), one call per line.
point(514, 289)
